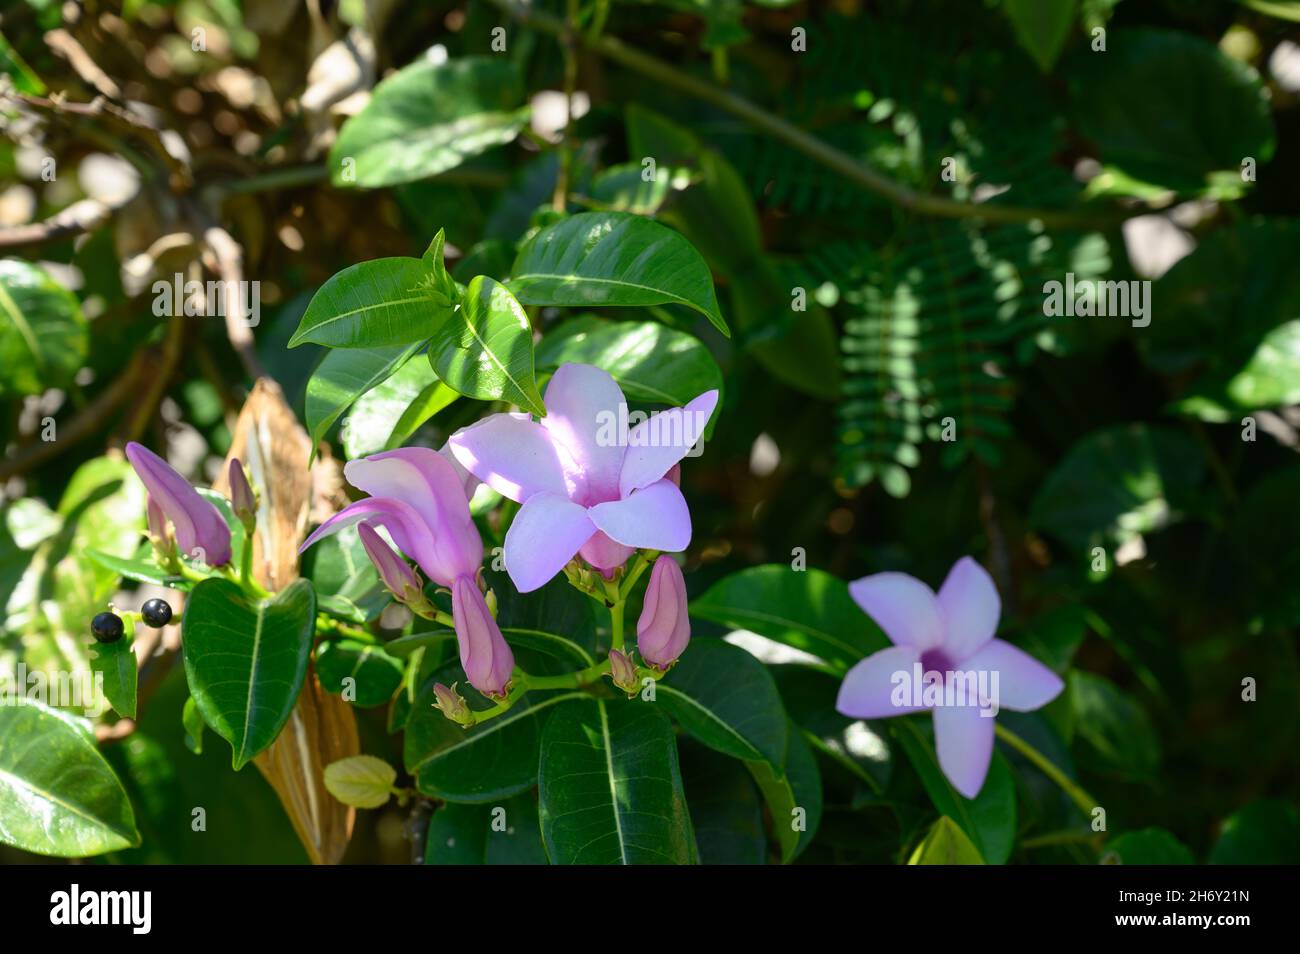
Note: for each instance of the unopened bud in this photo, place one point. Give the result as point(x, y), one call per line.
point(623, 671)
point(242, 500)
point(452, 704)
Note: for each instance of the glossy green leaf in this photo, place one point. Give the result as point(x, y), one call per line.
point(346, 582)
point(343, 377)
point(946, 844)
point(246, 662)
point(192, 721)
point(57, 794)
point(650, 361)
point(363, 673)
point(1263, 833)
point(43, 334)
point(1118, 734)
point(629, 187)
point(989, 819)
point(793, 795)
point(142, 567)
point(372, 422)
point(610, 788)
point(485, 350)
point(808, 609)
point(613, 258)
point(505, 834)
point(116, 662)
point(428, 118)
point(726, 699)
point(383, 302)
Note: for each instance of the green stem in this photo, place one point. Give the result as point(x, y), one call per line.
point(570, 680)
point(246, 563)
point(1081, 798)
point(925, 203)
point(501, 708)
point(638, 567)
point(615, 616)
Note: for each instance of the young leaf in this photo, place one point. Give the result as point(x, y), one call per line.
point(614, 258)
point(116, 661)
point(609, 786)
point(246, 662)
point(428, 118)
point(945, 844)
point(485, 350)
point(386, 301)
point(361, 781)
point(57, 794)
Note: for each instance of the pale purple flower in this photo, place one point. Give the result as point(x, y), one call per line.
point(950, 634)
point(242, 501)
point(418, 497)
point(484, 654)
point(589, 484)
point(664, 629)
point(201, 531)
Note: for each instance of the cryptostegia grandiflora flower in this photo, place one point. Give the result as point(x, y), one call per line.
point(201, 531)
point(589, 484)
point(418, 496)
point(944, 659)
point(664, 629)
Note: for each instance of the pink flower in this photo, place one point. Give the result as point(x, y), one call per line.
point(589, 484)
point(484, 654)
point(664, 629)
point(201, 531)
point(947, 641)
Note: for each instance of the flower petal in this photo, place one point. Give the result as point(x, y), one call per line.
point(604, 554)
point(400, 520)
point(868, 689)
point(584, 413)
point(963, 740)
point(1024, 684)
point(426, 482)
point(904, 607)
point(545, 534)
point(658, 442)
point(515, 457)
point(970, 607)
point(655, 517)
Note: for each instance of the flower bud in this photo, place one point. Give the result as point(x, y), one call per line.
point(484, 654)
point(623, 671)
point(241, 496)
point(395, 572)
point(452, 704)
point(198, 524)
point(663, 630)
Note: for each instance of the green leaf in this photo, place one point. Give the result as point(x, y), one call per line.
point(246, 662)
point(338, 567)
point(506, 834)
point(1200, 114)
point(1150, 846)
point(374, 674)
point(192, 721)
point(1042, 27)
point(484, 763)
point(989, 818)
point(142, 567)
point(613, 258)
point(649, 361)
point(43, 334)
point(116, 661)
point(726, 807)
point(1116, 484)
point(485, 350)
point(386, 301)
point(428, 118)
point(1262, 833)
point(57, 794)
point(946, 844)
point(361, 781)
point(372, 423)
point(609, 786)
point(1115, 727)
point(726, 698)
point(807, 609)
point(856, 746)
point(625, 188)
point(13, 66)
point(343, 377)
point(794, 795)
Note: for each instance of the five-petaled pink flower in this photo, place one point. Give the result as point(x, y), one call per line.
point(950, 635)
point(589, 485)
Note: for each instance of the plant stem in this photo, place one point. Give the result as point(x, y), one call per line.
point(634, 574)
point(1080, 798)
point(864, 176)
point(570, 680)
point(615, 616)
point(504, 706)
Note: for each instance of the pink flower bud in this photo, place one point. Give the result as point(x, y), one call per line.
point(452, 704)
point(242, 500)
point(200, 528)
point(484, 654)
point(663, 630)
point(623, 671)
point(395, 572)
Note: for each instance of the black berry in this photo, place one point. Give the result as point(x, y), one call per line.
point(157, 613)
point(106, 627)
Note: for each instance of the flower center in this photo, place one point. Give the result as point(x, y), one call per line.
point(935, 660)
